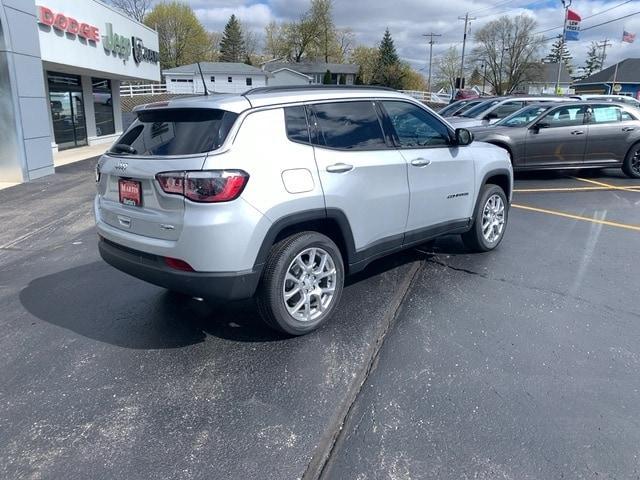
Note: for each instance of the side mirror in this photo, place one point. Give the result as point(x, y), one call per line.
point(536, 128)
point(463, 137)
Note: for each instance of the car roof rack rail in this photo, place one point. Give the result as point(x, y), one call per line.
point(304, 88)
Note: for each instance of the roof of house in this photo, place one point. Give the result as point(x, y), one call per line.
point(315, 67)
point(222, 68)
point(548, 73)
point(628, 72)
point(285, 69)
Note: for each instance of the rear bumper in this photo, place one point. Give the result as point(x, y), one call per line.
point(152, 269)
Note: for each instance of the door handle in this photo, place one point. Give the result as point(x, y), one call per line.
point(420, 162)
point(339, 168)
point(628, 129)
point(577, 132)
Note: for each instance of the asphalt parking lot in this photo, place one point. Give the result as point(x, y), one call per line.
point(522, 363)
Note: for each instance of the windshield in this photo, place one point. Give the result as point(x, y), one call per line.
point(175, 131)
point(480, 108)
point(523, 116)
point(469, 106)
point(454, 107)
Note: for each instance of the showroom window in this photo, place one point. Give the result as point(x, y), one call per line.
point(213, 79)
point(249, 81)
point(103, 106)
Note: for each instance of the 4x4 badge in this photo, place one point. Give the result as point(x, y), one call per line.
point(122, 166)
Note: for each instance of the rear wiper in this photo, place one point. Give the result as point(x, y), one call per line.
point(123, 148)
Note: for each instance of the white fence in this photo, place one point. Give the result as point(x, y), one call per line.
point(190, 88)
point(135, 90)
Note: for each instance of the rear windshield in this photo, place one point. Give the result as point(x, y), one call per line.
point(185, 131)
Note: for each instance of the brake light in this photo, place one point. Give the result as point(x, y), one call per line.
point(178, 264)
point(207, 186)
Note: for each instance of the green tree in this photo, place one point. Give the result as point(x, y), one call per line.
point(367, 60)
point(181, 36)
point(593, 62)
point(476, 77)
point(389, 72)
point(559, 52)
point(326, 80)
point(232, 46)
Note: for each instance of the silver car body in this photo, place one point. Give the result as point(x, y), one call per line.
point(609, 98)
point(571, 135)
point(377, 198)
point(497, 109)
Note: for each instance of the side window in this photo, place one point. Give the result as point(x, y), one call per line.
point(565, 117)
point(415, 127)
point(507, 109)
point(626, 116)
point(606, 114)
point(348, 126)
point(296, 122)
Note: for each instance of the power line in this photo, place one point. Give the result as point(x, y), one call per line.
point(586, 18)
point(464, 44)
point(594, 26)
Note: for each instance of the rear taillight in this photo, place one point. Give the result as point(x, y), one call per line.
point(207, 186)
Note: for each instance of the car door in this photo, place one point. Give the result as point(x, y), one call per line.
point(441, 175)
point(558, 138)
point(362, 175)
point(612, 130)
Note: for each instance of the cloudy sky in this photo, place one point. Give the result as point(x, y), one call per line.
point(409, 19)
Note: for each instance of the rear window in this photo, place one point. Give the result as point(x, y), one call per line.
point(184, 131)
point(349, 126)
point(480, 108)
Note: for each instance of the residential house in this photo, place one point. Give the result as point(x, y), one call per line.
point(310, 73)
point(544, 78)
point(219, 77)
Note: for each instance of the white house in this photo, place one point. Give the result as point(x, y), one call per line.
point(311, 73)
point(220, 77)
point(544, 82)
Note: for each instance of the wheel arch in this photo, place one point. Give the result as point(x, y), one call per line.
point(500, 177)
point(330, 222)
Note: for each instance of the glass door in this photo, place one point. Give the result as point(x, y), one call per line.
point(67, 110)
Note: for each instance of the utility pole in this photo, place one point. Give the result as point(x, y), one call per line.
point(464, 44)
point(604, 44)
point(431, 42)
point(566, 6)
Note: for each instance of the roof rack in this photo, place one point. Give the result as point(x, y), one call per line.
point(295, 88)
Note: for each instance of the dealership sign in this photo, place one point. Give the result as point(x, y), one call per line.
point(113, 43)
point(65, 23)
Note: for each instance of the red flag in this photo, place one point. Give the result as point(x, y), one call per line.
point(628, 37)
point(571, 15)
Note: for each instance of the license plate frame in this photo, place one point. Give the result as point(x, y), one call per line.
point(130, 192)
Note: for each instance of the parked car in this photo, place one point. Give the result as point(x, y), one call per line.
point(609, 98)
point(490, 111)
point(281, 192)
point(456, 108)
point(466, 94)
point(570, 135)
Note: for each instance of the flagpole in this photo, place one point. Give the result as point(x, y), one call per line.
point(615, 76)
point(564, 33)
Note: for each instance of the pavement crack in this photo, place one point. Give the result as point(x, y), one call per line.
point(457, 269)
point(331, 440)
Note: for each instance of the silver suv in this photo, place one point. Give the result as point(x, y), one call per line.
point(281, 192)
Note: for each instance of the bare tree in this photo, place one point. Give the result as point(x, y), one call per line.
point(448, 68)
point(509, 48)
point(345, 39)
point(136, 9)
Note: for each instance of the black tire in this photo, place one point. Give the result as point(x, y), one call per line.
point(474, 239)
point(270, 295)
point(631, 165)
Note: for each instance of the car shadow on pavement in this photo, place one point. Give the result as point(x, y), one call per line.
point(101, 303)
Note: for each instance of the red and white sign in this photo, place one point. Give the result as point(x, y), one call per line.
point(67, 24)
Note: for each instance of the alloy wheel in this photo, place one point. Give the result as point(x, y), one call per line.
point(493, 218)
point(309, 284)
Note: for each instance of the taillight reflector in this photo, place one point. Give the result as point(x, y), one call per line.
point(207, 186)
point(178, 264)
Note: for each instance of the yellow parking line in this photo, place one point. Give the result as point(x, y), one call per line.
point(602, 184)
point(635, 228)
point(561, 189)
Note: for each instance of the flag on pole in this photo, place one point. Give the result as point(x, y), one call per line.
point(628, 37)
point(572, 26)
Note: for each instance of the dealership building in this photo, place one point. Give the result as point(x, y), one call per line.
point(61, 65)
